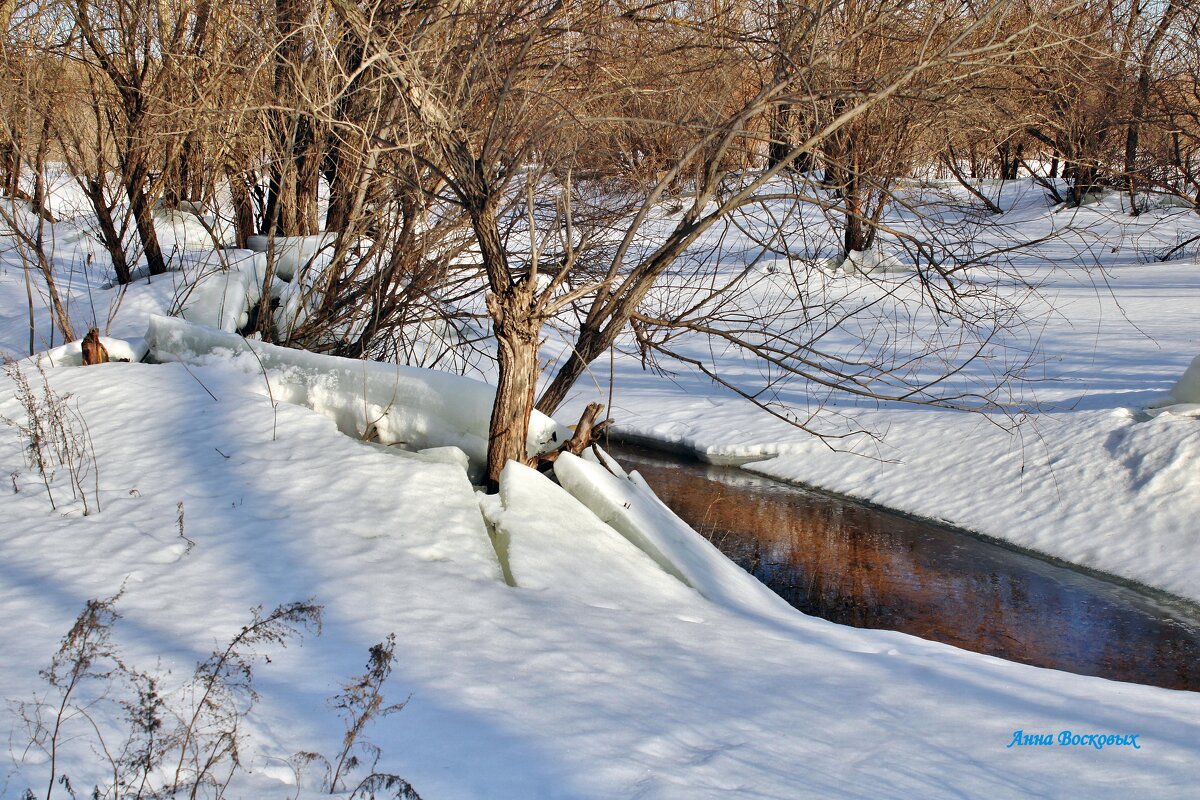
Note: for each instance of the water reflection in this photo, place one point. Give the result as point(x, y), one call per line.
point(871, 569)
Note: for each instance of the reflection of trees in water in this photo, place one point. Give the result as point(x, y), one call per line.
point(857, 567)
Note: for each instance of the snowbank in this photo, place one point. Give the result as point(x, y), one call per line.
point(295, 254)
point(220, 287)
point(410, 407)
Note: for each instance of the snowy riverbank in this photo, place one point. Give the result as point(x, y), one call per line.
point(600, 673)
point(1074, 468)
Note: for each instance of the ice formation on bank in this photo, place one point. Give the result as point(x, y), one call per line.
point(1184, 397)
point(409, 407)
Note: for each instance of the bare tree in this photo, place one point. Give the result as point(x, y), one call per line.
point(495, 101)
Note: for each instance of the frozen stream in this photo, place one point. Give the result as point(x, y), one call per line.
point(869, 568)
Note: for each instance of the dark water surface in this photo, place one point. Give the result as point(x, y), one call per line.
point(869, 568)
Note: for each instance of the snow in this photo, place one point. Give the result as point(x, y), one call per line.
point(183, 229)
point(598, 675)
point(865, 262)
point(413, 408)
point(579, 641)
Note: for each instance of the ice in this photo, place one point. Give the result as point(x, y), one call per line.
point(1184, 397)
point(630, 507)
point(555, 543)
point(407, 406)
point(295, 254)
point(220, 287)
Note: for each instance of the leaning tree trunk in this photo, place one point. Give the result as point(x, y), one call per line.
point(590, 343)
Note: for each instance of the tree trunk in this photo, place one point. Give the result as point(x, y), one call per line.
point(296, 166)
point(1142, 98)
point(109, 235)
point(10, 166)
point(781, 136)
point(517, 339)
point(143, 214)
point(308, 180)
point(243, 206)
point(512, 304)
point(588, 347)
point(854, 238)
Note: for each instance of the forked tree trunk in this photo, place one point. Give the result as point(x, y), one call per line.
point(517, 326)
point(109, 235)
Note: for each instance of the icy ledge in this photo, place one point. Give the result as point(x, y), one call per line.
point(628, 505)
point(407, 406)
point(1184, 398)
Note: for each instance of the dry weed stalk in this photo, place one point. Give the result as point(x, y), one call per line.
point(57, 437)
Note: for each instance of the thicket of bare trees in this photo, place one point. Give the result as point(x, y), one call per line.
point(524, 150)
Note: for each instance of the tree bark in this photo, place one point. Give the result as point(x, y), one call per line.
point(517, 351)
point(243, 206)
point(588, 347)
point(143, 214)
point(109, 234)
point(10, 166)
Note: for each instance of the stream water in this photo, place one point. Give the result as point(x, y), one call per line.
point(869, 568)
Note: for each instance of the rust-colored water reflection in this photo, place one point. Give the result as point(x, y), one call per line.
point(867, 568)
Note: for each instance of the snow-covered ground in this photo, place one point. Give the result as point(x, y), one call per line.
point(1074, 467)
point(608, 670)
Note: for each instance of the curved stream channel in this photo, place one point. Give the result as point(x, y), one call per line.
point(869, 568)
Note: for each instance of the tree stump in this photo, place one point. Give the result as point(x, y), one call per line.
point(93, 351)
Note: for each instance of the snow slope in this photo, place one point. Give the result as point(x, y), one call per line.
point(598, 675)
